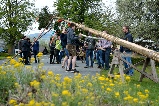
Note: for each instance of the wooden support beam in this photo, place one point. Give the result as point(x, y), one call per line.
point(142, 72)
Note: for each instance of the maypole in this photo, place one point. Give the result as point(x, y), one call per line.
point(134, 47)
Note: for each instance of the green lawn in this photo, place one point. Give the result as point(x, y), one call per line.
point(145, 84)
point(4, 56)
point(1, 58)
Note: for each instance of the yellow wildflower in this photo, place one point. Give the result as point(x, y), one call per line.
point(20, 59)
point(16, 84)
point(128, 98)
point(16, 65)
point(126, 92)
point(12, 61)
point(40, 54)
point(146, 91)
point(89, 84)
point(9, 57)
point(101, 78)
point(109, 89)
point(117, 76)
point(66, 93)
point(43, 77)
point(117, 94)
point(35, 84)
point(52, 104)
point(21, 104)
point(102, 87)
point(139, 93)
point(55, 94)
point(143, 96)
point(84, 91)
point(50, 73)
point(38, 104)
point(30, 94)
point(32, 102)
point(79, 103)
point(12, 102)
point(111, 84)
point(107, 79)
point(127, 78)
point(64, 104)
point(138, 85)
point(67, 80)
point(135, 100)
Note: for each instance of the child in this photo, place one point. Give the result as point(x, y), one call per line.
point(82, 54)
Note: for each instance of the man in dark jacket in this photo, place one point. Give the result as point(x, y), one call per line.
point(126, 51)
point(25, 50)
point(71, 47)
point(20, 46)
point(90, 46)
point(35, 49)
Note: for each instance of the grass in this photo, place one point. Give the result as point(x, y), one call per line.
point(2, 58)
point(145, 84)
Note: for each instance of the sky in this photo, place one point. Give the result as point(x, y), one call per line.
point(42, 3)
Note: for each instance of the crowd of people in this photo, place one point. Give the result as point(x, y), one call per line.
point(66, 46)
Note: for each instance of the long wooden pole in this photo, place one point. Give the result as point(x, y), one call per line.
point(134, 47)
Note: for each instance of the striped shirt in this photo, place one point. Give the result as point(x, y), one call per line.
point(105, 43)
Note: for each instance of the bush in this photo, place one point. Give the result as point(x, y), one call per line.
point(7, 81)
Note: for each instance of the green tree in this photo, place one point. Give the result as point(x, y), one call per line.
point(76, 9)
point(141, 16)
point(44, 17)
point(15, 17)
point(88, 12)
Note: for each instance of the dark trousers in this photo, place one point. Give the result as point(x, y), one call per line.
point(57, 55)
point(107, 57)
point(52, 56)
point(35, 54)
point(25, 57)
point(89, 53)
point(21, 54)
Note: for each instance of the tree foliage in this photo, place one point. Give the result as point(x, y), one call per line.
point(44, 17)
point(76, 9)
point(88, 12)
point(141, 16)
point(15, 17)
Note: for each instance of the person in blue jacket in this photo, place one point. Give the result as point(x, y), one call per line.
point(35, 49)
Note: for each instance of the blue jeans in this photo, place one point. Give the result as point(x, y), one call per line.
point(66, 52)
point(107, 58)
point(100, 58)
point(89, 53)
point(61, 55)
point(128, 59)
